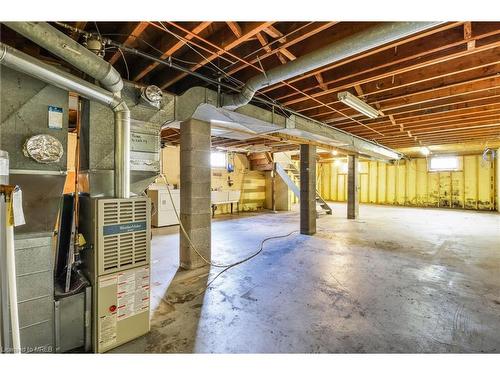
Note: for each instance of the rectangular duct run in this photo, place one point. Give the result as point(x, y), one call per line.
point(97, 140)
point(124, 240)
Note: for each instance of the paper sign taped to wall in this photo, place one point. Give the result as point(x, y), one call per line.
point(55, 117)
point(17, 207)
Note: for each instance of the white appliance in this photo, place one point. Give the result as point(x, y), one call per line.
point(163, 210)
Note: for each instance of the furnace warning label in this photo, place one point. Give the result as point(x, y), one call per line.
point(133, 292)
point(106, 281)
point(107, 330)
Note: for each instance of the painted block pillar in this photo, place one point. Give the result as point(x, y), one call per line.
point(307, 189)
point(352, 187)
point(195, 176)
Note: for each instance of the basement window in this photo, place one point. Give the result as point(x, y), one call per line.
point(444, 163)
point(218, 159)
point(341, 166)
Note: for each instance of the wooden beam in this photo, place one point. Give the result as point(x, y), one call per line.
point(170, 51)
point(282, 58)
point(136, 32)
point(235, 28)
point(393, 121)
point(359, 91)
point(471, 43)
point(486, 121)
point(274, 33)
point(321, 81)
point(452, 72)
point(250, 32)
point(287, 53)
point(312, 29)
point(416, 73)
point(447, 91)
point(443, 97)
point(443, 118)
point(447, 106)
point(387, 49)
point(263, 41)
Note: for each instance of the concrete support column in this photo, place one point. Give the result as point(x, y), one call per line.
point(352, 187)
point(195, 175)
point(307, 189)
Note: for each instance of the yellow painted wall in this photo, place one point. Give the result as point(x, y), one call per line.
point(409, 183)
point(170, 164)
point(251, 183)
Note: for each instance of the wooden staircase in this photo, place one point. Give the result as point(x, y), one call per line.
point(283, 168)
point(261, 161)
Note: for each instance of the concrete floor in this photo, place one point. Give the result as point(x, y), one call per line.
point(396, 280)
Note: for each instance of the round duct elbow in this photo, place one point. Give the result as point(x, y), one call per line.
point(235, 101)
point(112, 80)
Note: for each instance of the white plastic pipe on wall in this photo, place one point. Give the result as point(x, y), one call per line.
point(11, 275)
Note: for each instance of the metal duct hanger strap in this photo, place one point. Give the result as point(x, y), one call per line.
point(341, 49)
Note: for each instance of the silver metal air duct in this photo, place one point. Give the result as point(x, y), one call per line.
point(24, 63)
point(71, 51)
point(357, 43)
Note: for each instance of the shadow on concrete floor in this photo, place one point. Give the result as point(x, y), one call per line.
point(174, 322)
point(399, 280)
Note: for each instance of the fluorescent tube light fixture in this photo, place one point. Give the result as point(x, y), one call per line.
point(350, 100)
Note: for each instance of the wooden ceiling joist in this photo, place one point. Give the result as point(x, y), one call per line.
point(439, 86)
point(136, 33)
point(175, 46)
point(250, 30)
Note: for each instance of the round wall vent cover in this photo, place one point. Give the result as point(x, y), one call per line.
point(43, 148)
